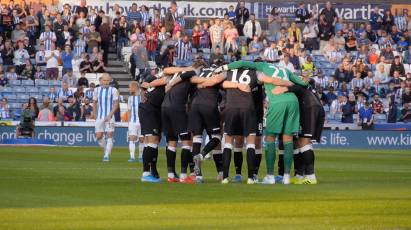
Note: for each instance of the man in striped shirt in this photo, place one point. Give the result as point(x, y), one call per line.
point(105, 104)
point(271, 53)
point(48, 37)
point(134, 128)
point(64, 92)
point(183, 52)
point(134, 14)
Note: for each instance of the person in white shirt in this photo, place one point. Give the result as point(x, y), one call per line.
point(48, 37)
point(134, 127)
point(252, 28)
point(20, 57)
point(310, 35)
point(105, 104)
point(285, 63)
point(271, 53)
point(321, 81)
point(40, 56)
point(52, 61)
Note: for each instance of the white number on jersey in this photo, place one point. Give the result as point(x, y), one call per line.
point(285, 75)
point(244, 78)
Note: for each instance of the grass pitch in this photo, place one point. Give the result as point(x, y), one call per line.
point(70, 188)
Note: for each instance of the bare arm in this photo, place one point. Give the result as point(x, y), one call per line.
point(274, 81)
point(158, 82)
point(197, 80)
point(95, 104)
point(214, 80)
point(173, 70)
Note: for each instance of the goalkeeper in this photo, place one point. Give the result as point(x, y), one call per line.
point(283, 114)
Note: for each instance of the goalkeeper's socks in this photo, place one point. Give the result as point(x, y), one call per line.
point(238, 160)
point(109, 146)
point(270, 157)
point(132, 148)
point(171, 160)
point(288, 156)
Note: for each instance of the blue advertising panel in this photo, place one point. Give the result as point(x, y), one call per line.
point(84, 136)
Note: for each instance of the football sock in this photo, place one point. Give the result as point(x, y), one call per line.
point(308, 159)
point(258, 157)
point(140, 150)
point(191, 160)
point(109, 146)
point(102, 142)
point(153, 150)
point(196, 147)
point(171, 159)
point(238, 160)
point(251, 160)
point(185, 156)
point(270, 157)
point(288, 156)
point(281, 162)
point(226, 159)
point(298, 163)
point(212, 144)
point(147, 158)
point(218, 160)
point(132, 148)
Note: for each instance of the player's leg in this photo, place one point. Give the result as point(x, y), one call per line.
point(109, 129)
point(238, 157)
point(298, 162)
point(186, 157)
point(258, 155)
point(251, 158)
point(307, 155)
point(171, 159)
point(99, 130)
point(228, 147)
point(280, 163)
point(141, 145)
point(270, 155)
point(132, 138)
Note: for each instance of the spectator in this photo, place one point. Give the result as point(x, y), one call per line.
point(70, 79)
point(395, 80)
point(387, 21)
point(392, 111)
point(217, 57)
point(52, 94)
point(252, 28)
point(331, 96)
point(7, 54)
point(301, 15)
point(184, 52)
point(274, 24)
point(86, 66)
point(365, 117)
point(310, 35)
point(347, 111)
point(255, 46)
point(31, 50)
point(20, 57)
point(48, 37)
point(138, 61)
point(400, 20)
point(45, 113)
point(61, 114)
point(64, 92)
point(406, 96)
point(371, 35)
point(330, 15)
point(73, 110)
point(86, 110)
point(39, 73)
point(171, 17)
point(231, 36)
point(285, 63)
point(89, 93)
point(82, 8)
point(322, 81)
point(28, 72)
point(67, 59)
point(106, 37)
point(58, 28)
point(217, 35)
point(98, 64)
point(18, 33)
point(40, 56)
point(242, 15)
point(343, 91)
point(309, 66)
point(83, 81)
point(397, 66)
point(152, 42)
point(350, 42)
point(4, 109)
point(339, 41)
point(93, 39)
point(377, 105)
point(373, 57)
point(3, 80)
point(295, 33)
point(388, 55)
point(342, 75)
point(376, 19)
point(52, 57)
point(33, 107)
point(405, 114)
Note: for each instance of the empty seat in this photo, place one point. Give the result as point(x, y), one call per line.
point(19, 89)
point(38, 97)
point(32, 90)
point(14, 105)
point(23, 97)
point(206, 50)
point(27, 82)
point(14, 82)
point(41, 82)
point(44, 89)
point(10, 96)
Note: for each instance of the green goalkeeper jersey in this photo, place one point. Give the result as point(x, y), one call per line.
point(270, 70)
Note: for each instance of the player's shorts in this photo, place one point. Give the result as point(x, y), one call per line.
point(150, 120)
point(104, 127)
point(283, 117)
point(134, 129)
point(260, 120)
point(203, 117)
point(174, 122)
point(239, 122)
point(312, 122)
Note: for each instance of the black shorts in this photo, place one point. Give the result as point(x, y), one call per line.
point(312, 122)
point(150, 120)
point(239, 122)
point(203, 117)
point(174, 123)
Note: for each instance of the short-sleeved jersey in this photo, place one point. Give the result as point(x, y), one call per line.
point(153, 96)
point(236, 98)
point(177, 96)
point(105, 97)
point(132, 106)
point(206, 96)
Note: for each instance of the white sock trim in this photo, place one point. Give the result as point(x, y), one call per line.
point(306, 148)
point(197, 139)
point(228, 146)
point(258, 152)
point(238, 149)
point(250, 146)
point(186, 147)
point(296, 151)
point(281, 152)
point(218, 136)
point(173, 149)
point(215, 152)
point(154, 146)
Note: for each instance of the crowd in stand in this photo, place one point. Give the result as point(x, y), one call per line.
point(370, 62)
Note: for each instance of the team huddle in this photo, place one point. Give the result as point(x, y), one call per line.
point(229, 103)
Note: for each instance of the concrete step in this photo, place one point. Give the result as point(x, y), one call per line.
point(116, 69)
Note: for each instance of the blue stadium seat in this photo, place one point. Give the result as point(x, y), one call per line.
point(206, 50)
point(14, 82)
point(38, 97)
point(41, 82)
point(7, 90)
point(11, 98)
point(44, 90)
point(27, 82)
point(14, 105)
point(32, 90)
point(55, 83)
point(19, 89)
point(23, 97)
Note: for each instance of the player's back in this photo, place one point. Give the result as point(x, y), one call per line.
point(153, 96)
point(206, 96)
point(236, 98)
point(177, 96)
point(105, 97)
